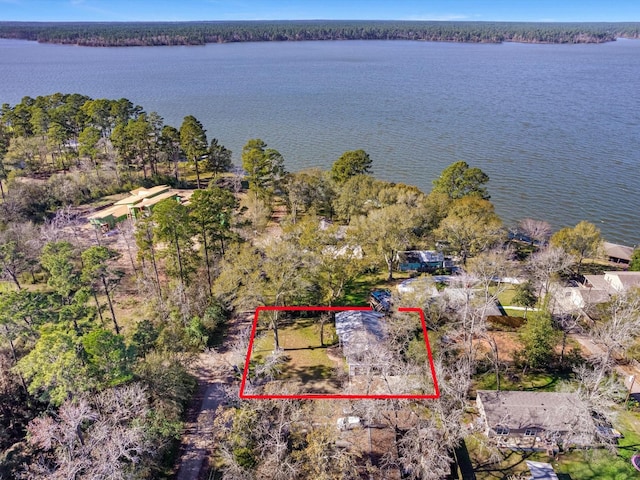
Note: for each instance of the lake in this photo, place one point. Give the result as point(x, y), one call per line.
point(556, 127)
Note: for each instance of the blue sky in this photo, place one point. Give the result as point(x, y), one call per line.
point(181, 10)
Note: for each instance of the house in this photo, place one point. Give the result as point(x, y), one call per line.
point(597, 289)
point(420, 260)
point(141, 200)
point(581, 297)
point(107, 219)
point(359, 332)
point(613, 282)
point(622, 281)
point(618, 253)
point(535, 420)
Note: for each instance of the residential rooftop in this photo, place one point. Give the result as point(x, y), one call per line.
point(550, 411)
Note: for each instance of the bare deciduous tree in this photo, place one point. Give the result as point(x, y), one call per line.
point(98, 438)
point(422, 452)
point(547, 263)
point(618, 329)
point(536, 230)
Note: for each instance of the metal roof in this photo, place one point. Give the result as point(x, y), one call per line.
point(359, 330)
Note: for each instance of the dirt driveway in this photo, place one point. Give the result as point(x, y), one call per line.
point(214, 372)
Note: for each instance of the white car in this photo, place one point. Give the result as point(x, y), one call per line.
point(348, 423)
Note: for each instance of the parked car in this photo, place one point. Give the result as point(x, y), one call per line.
point(349, 423)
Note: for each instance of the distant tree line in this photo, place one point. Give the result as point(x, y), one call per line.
point(96, 34)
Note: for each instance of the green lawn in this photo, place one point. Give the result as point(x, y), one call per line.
point(506, 297)
point(357, 292)
point(514, 313)
point(543, 382)
point(300, 340)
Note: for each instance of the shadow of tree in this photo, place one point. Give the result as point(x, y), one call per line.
point(510, 460)
point(315, 379)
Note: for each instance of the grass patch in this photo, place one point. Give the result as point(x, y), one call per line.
point(506, 297)
point(357, 291)
point(594, 464)
point(515, 380)
point(512, 312)
point(601, 464)
point(307, 359)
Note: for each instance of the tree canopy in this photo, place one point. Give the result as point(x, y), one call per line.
point(459, 180)
point(470, 227)
point(264, 166)
point(634, 265)
point(193, 141)
point(583, 241)
point(350, 164)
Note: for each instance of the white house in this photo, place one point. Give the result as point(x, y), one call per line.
point(598, 289)
point(360, 332)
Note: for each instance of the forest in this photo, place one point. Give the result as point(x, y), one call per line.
point(102, 327)
point(199, 33)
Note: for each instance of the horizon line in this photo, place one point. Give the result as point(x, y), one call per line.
point(325, 20)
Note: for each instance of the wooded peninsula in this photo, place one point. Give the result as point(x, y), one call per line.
point(133, 255)
point(107, 34)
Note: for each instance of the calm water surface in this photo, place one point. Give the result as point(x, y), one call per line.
point(556, 127)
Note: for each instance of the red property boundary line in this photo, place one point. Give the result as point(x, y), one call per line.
point(245, 371)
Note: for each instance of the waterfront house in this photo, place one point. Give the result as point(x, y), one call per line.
point(613, 282)
point(142, 200)
point(617, 253)
point(420, 260)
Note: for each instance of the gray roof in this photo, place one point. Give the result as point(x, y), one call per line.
point(358, 330)
point(591, 296)
point(618, 251)
point(550, 411)
point(627, 279)
point(541, 471)
point(604, 282)
point(598, 282)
